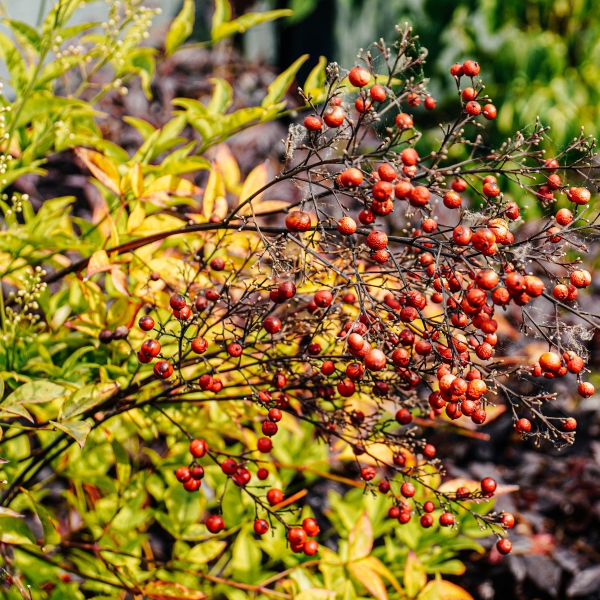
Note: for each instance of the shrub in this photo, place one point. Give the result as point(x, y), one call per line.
point(183, 367)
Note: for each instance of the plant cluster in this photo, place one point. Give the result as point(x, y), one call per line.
point(197, 351)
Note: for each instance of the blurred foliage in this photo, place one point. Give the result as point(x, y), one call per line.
point(543, 56)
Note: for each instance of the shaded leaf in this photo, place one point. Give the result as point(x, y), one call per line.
point(78, 430)
point(87, 397)
point(181, 27)
point(171, 184)
point(15, 531)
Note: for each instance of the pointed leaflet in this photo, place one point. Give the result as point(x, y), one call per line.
point(98, 263)
point(245, 22)
point(440, 589)
point(215, 188)
point(78, 430)
point(256, 180)
point(221, 97)
point(227, 165)
point(315, 594)
point(315, 82)
point(101, 168)
point(171, 184)
point(369, 579)
point(360, 539)
point(15, 531)
point(376, 565)
point(35, 392)
point(181, 28)
point(168, 590)
point(221, 15)
point(49, 523)
point(280, 86)
point(87, 397)
point(415, 577)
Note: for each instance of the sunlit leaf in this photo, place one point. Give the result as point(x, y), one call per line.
point(181, 27)
point(360, 539)
point(167, 590)
point(101, 168)
point(78, 430)
point(226, 29)
point(440, 589)
point(280, 86)
point(369, 579)
point(415, 577)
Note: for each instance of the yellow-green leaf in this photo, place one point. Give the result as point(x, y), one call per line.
point(98, 263)
point(240, 25)
point(15, 531)
point(168, 590)
point(136, 218)
point(87, 397)
point(415, 577)
point(315, 82)
point(315, 594)
point(181, 28)
point(227, 165)
point(171, 184)
point(78, 430)
point(376, 565)
point(369, 579)
point(256, 180)
point(101, 168)
point(49, 523)
point(222, 13)
point(280, 86)
point(360, 539)
point(215, 187)
point(440, 589)
point(221, 96)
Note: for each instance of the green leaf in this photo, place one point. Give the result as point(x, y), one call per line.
point(242, 24)
point(315, 82)
point(15, 531)
point(440, 589)
point(221, 15)
point(315, 594)
point(14, 62)
point(360, 539)
point(49, 523)
point(78, 430)
point(221, 97)
point(35, 392)
point(205, 552)
point(85, 398)
point(166, 590)
point(26, 35)
point(181, 28)
point(144, 128)
point(280, 86)
point(123, 465)
point(415, 577)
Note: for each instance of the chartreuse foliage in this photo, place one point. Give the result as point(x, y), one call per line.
point(91, 506)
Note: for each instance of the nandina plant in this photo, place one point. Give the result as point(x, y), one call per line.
point(213, 351)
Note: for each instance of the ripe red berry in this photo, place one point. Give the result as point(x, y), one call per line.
point(334, 116)
point(272, 325)
point(462, 235)
point(310, 547)
point(313, 123)
point(261, 527)
point(346, 226)
point(217, 263)
point(359, 76)
point(407, 489)
point(198, 448)
point(580, 278)
point(378, 93)
point(269, 428)
point(429, 451)
point(262, 473)
point(413, 99)
point(351, 177)
point(585, 389)
point(215, 524)
point(426, 520)
point(446, 519)
point(163, 369)
point(191, 485)
point(490, 112)
point(452, 200)
point(430, 103)
point(504, 546)
point(151, 348)
point(199, 345)
point(377, 240)
point(569, 424)
point(579, 195)
point(197, 472)
point(368, 473)
point(471, 68)
point(394, 512)
point(409, 156)
point(234, 349)
point(298, 221)
point(229, 466)
point(384, 486)
point(362, 105)
point(456, 70)
point(473, 108)
point(146, 323)
point(177, 302)
point(264, 445)
point(403, 416)
point(488, 486)
point(274, 496)
point(404, 121)
point(183, 474)
point(507, 520)
point(429, 506)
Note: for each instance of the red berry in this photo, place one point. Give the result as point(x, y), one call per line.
point(183, 474)
point(446, 519)
point(471, 68)
point(490, 112)
point(261, 527)
point(368, 473)
point(429, 506)
point(403, 416)
point(310, 548)
point(296, 535)
point(262, 473)
point(334, 116)
point(199, 345)
point(274, 496)
point(473, 108)
point(198, 448)
point(429, 103)
point(234, 349)
point(377, 240)
point(351, 177)
point(217, 264)
point(298, 221)
point(146, 323)
point(384, 486)
point(229, 466)
point(163, 369)
point(272, 325)
point(192, 485)
point(346, 226)
point(504, 546)
point(507, 520)
point(378, 93)
point(404, 121)
point(426, 521)
point(197, 472)
point(269, 428)
point(359, 76)
point(313, 123)
point(488, 486)
point(215, 523)
point(264, 445)
point(523, 426)
point(409, 156)
point(177, 302)
point(407, 489)
point(569, 424)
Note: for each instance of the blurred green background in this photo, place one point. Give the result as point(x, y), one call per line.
point(538, 57)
